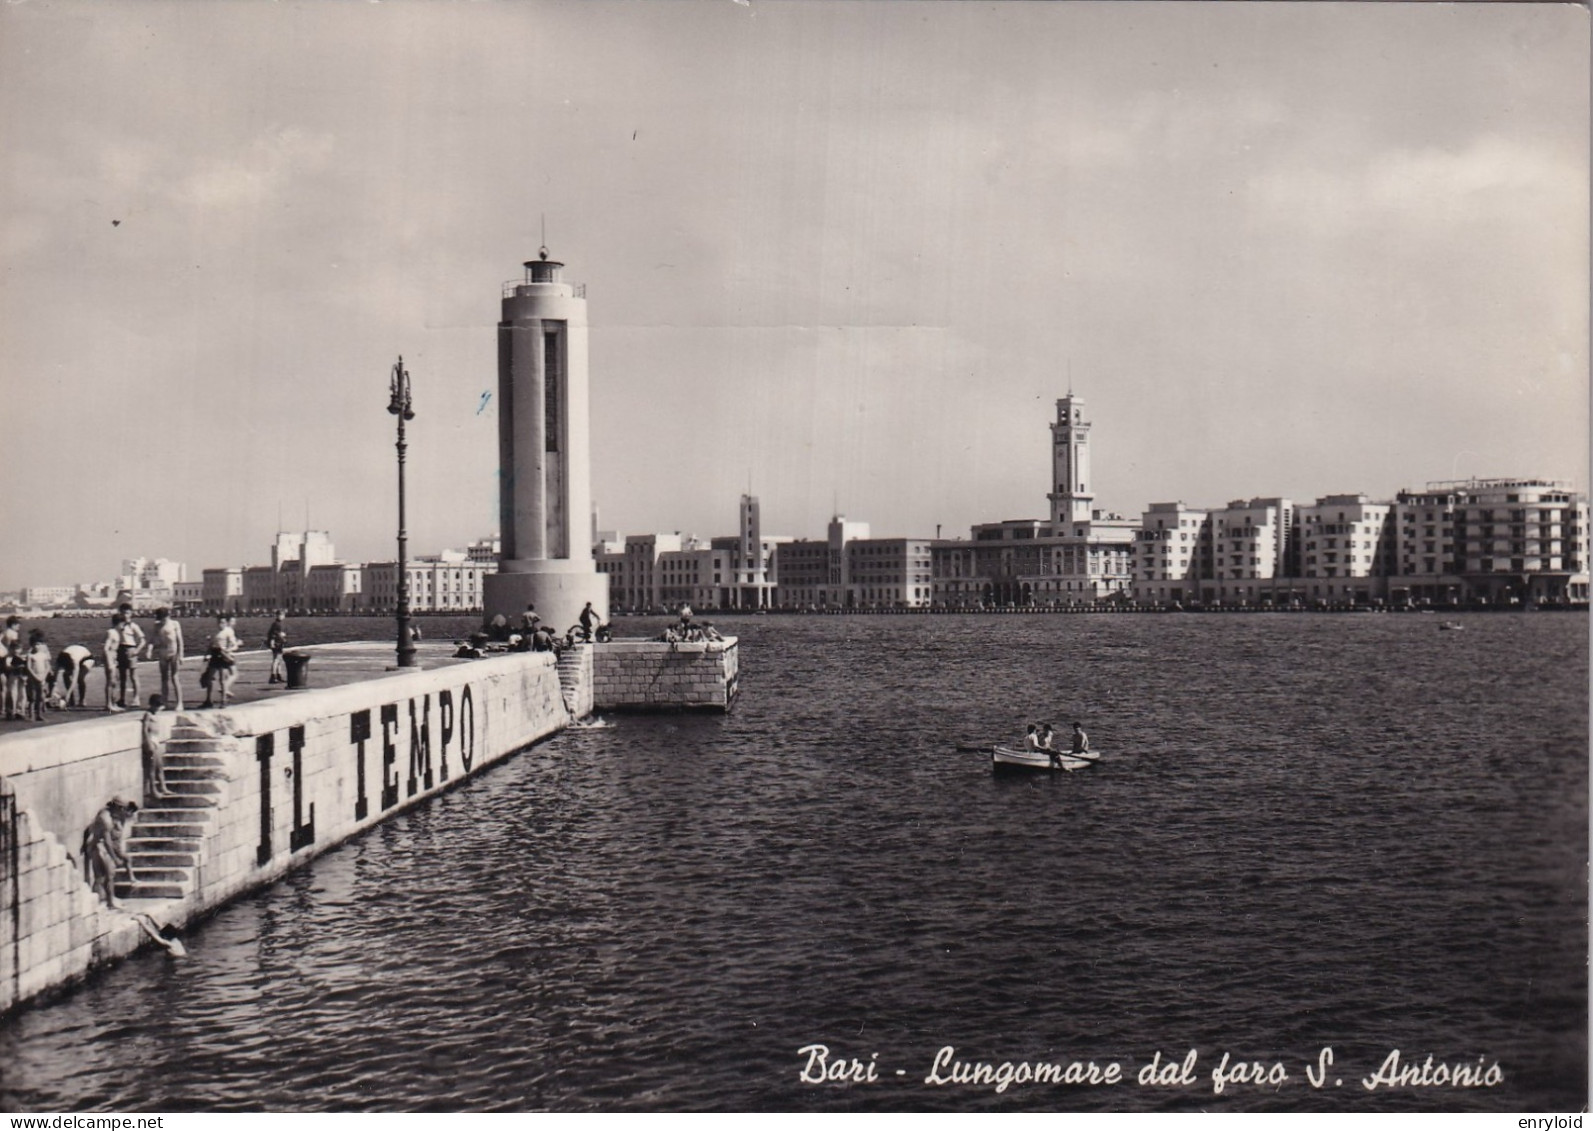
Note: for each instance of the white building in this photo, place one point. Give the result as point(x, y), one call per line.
point(1253, 542)
point(48, 596)
point(147, 582)
point(1497, 540)
point(334, 587)
point(1079, 556)
point(260, 591)
point(631, 564)
point(851, 570)
point(222, 589)
point(1173, 554)
point(1346, 549)
point(702, 577)
point(434, 586)
point(485, 550)
point(305, 548)
point(755, 575)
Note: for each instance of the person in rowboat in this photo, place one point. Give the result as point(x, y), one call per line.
point(1048, 744)
point(1081, 741)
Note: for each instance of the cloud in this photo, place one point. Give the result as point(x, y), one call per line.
point(1430, 188)
point(270, 163)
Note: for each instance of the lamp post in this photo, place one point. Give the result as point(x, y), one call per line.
point(401, 406)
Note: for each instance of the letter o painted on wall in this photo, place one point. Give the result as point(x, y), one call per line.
point(467, 728)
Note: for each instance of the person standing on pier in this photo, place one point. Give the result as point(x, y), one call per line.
point(155, 733)
point(277, 641)
point(130, 646)
point(113, 640)
point(13, 665)
point(220, 667)
point(39, 665)
point(169, 657)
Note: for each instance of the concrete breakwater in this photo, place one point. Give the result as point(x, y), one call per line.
point(265, 786)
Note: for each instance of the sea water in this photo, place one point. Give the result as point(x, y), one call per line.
point(1314, 841)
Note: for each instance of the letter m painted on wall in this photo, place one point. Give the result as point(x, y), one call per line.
point(420, 746)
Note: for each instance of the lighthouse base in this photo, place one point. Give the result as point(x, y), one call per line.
point(559, 590)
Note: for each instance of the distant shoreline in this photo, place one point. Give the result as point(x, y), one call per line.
point(1036, 610)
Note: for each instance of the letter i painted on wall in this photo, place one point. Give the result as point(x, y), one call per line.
point(389, 755)
point(264, 745)
point(359, 731)
point(303, 831)
point(420, 746)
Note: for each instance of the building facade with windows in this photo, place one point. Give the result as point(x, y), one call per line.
point(1172, 554)
point(1079, 556)
point(332, 588)
point(851, 570)
point(1503, 541)
point(755, 572)
point(222, 589)
point(434, 586)
point(631, 564)
point(1492, 541)
point(260, 593)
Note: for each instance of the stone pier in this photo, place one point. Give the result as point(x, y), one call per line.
point(266, 785)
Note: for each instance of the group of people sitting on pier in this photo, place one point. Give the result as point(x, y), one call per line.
point(687, 631)
point(533, 634)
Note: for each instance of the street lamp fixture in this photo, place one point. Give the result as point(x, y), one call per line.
point(401, 405)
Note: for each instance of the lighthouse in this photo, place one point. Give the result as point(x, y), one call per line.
point(544, 453)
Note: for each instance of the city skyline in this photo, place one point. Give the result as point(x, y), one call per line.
point(844, 257)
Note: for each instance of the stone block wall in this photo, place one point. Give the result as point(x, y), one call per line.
point(64, 775)
point(273, 784)
point(650, 675)
point(306, 775)
point(53, 929)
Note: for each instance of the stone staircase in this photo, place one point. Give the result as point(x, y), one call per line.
point(163, 845)
point(575, 680)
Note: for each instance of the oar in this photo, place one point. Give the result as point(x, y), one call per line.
point(1084, 757)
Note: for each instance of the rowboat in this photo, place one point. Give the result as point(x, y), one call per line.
point(1003, 757)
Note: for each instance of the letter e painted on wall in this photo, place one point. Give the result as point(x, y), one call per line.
point(389, 755)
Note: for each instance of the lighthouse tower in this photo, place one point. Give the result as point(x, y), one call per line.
point(544, 453)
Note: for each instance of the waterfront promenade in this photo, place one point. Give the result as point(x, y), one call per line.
point(331, 665)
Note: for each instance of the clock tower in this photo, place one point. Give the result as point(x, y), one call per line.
point(1071, 499)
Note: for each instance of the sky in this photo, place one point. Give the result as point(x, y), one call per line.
point(847, 255)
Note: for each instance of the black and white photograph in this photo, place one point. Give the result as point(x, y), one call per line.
point(794, 556)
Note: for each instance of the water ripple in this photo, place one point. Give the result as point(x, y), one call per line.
point(1353, 831)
